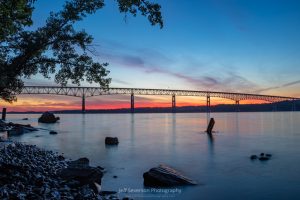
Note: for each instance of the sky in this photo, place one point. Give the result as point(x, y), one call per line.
point(249, 46)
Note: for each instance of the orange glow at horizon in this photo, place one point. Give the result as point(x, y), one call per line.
point(37, 104)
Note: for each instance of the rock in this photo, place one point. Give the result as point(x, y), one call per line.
point(80, 170)
point(111, 141)
point(165, 176)
point(79, 163)
point(25, 118)
point(253, 157)
point(53, 132)
point(16, 131)
point(48, 117)
point(115, 176)
point(263, 158)
point(262, 154)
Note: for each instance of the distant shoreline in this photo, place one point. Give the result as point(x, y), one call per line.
point(267, 107)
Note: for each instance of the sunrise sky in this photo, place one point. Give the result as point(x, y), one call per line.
point(250, 46)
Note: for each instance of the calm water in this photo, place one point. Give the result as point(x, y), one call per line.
point(221, 166)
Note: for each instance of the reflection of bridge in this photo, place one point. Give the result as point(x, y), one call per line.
point(84, 92)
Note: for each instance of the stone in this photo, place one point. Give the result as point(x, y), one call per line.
point(262, 154)
point(263, 158)
point(25, 118)
point(165, 176)
point(111, 141)
point(79, 163)
point(79, 170)
point(53, 132)
point(48, 117)
point(253, 157)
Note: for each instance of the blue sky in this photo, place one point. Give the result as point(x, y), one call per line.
point(222, 45)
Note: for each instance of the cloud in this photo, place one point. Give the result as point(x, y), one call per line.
point(198, 74)
point(291, 83)
point(278, 87)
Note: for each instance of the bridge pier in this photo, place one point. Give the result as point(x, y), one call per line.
point(208, 103)
point(274, 107)
point(83, 104)
point(294, 105)
point(173, 103)
point(237, 104)
point(132, 103)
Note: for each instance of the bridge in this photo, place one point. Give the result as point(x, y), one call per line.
point(85, 92)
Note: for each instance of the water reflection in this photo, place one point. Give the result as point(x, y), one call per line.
point(132, 129)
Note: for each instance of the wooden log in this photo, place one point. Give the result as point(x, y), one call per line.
point(210, 126)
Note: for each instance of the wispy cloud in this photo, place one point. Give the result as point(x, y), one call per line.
point(278, 87)
point(151, 62)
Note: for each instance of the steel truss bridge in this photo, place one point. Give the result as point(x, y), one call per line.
point(85, 92)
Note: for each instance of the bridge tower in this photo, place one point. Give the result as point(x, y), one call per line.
point(294, 105)
point(132, 103)
point(208, 103)
point(274, 106)
point(83, 101)
point(237, 104)
point(173, 103)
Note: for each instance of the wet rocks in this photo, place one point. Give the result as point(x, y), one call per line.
point(28, 172)
point(262, 157)
point(164, 176)
point(111, 141)
point(48, 117)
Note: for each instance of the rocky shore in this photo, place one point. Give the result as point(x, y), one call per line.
point(28, 172)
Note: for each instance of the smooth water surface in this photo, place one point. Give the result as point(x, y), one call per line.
point(220, 165)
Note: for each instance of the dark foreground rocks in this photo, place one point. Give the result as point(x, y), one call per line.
point(48, 117)
point(80, 173)
point(164, 176)
point(111, 141)
point(28, 172)
point(16, 129)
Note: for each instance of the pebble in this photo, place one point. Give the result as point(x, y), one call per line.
point(28, 172)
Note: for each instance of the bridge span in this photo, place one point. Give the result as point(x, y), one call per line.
point(85, 92)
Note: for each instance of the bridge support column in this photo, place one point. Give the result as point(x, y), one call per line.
point(132, 103)
point(173, 103)
point(274, 106)
point(294, 105)
point(237, 104)
point(83, 104)
point(208, 103)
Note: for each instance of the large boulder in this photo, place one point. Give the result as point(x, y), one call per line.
point(165, 176)
point(80, 171)
point(48, 117)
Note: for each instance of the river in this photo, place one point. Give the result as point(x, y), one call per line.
point(220, 165)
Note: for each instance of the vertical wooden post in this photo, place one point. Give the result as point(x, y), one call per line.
point(210, 126)
point(3, 113)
